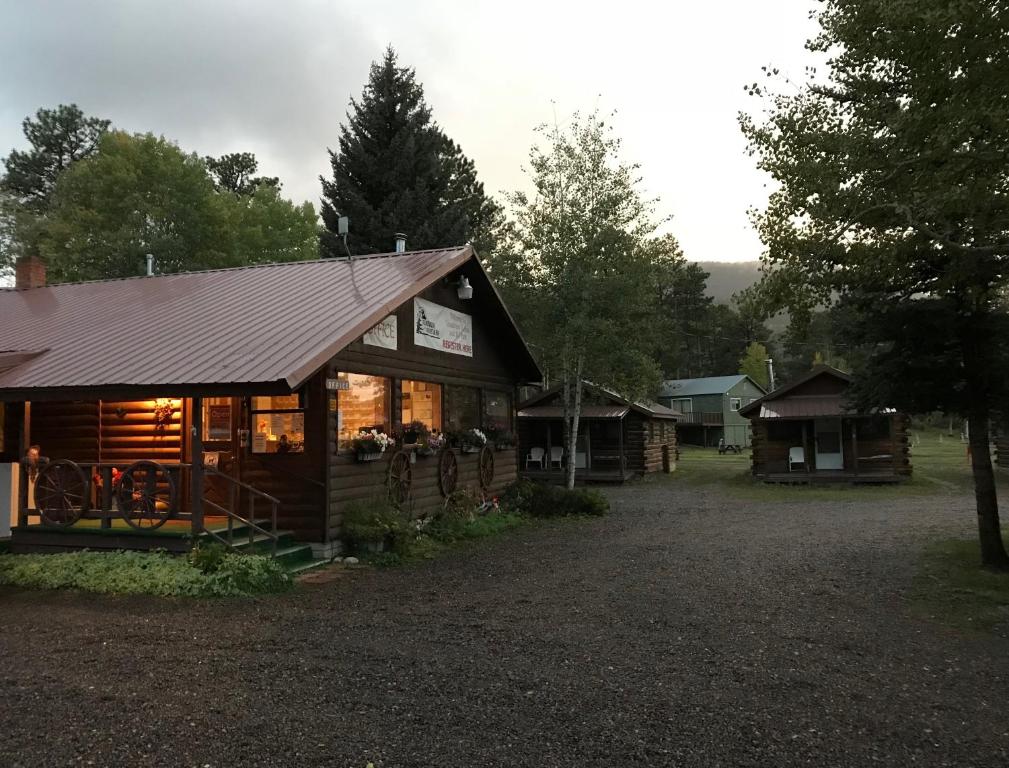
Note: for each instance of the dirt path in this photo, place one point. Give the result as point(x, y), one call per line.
point(682, 630)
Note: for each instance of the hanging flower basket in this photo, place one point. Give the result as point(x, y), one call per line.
point(370, 446)
point(473, 440)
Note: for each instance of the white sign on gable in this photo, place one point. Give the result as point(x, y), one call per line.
point(382, 335)
point(438, 327)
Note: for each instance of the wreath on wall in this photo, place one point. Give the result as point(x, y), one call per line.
point(163, 411)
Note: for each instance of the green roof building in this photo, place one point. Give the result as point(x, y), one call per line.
point(710, 408)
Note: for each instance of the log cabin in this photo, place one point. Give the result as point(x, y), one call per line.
point(806, 432)
point(618, 439)
point(149, 412)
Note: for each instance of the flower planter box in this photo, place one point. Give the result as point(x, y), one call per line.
point(471, 449)
point(362, 457)
point(426, 451)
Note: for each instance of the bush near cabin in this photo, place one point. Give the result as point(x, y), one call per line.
point(205, 574)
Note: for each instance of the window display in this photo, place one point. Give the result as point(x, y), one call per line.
point(363, 404)
point(462, 408)
point(217, 418)
point(421, 402)
point(278, 424)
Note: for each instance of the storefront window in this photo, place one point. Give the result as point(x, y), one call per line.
point(278, 424)
point(497, 410)
point(363, 403)
point(421, 402)
point(462, 408)
point(217, 418)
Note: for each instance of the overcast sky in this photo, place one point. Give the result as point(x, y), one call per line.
point(275, 77)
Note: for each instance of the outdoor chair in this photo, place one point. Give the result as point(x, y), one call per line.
point(796, 456)
point(535, 456)
point(556, 457)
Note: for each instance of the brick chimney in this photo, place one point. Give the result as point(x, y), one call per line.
point(29, 272)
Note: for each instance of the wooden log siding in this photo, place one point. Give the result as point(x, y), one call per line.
point(351, 480)
point(771, 455)
point(130, 432)
point(644, 443)
point(66, 430)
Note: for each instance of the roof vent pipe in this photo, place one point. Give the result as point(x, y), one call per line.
point(150, 264)
point(770, 374)
point(400, 242)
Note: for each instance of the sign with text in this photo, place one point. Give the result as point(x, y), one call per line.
point(438, 327)
point(382, 335)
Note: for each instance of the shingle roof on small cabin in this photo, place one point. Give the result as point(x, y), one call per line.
point(784, 403)
point(270, 325)
point(708, 385)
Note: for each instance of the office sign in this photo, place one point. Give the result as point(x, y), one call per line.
point(382, 335)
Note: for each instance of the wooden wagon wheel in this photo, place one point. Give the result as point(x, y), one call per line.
point(448, 472)
point(62, 493)
point(400, 477)
point(486, 468)
point(146, 495)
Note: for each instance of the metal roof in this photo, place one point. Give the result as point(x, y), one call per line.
point(645, 408)
point(709, 385)
point(588, 412)
point(276, 323)
point(799, 407)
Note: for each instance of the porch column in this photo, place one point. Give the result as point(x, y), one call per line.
point(620, 448)
point(196, 456)
point(854, 447)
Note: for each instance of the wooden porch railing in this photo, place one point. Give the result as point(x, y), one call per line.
point(706, 418)
point(235, 489)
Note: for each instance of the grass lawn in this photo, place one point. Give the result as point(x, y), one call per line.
point(939, 463)
point(952, 588)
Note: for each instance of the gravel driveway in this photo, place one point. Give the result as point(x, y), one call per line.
point(684, 629)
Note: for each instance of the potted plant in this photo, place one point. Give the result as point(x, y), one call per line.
point(371, 445)
point(415, 433)
point(501, 438)
point(431, 445)
point(473, 440)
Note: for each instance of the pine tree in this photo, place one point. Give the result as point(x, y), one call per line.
point(396, 171)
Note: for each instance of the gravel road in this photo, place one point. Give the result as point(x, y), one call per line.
point(685, 629)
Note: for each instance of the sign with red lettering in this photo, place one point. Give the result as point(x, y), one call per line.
point(441, 328)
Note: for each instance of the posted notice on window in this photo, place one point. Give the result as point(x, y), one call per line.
point(438, 327)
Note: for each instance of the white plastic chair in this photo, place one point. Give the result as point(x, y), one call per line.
point(796, 456)
point(535, 456)
point(556, 456)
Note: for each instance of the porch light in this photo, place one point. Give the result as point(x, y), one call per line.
point(465, 290)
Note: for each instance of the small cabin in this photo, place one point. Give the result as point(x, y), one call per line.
point(618, 439)
point(805, 431)
point(252, 403)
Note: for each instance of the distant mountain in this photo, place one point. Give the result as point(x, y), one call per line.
point(729, 277)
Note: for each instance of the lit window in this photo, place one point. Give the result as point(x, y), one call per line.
point(278, 424)
point(363, 403)
point(734, 404)
point(421, 402)
point(217, 418)
point(497, 410)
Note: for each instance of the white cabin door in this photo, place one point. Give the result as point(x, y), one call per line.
point(828, 444)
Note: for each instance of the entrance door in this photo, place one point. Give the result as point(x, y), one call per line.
point(828, 444)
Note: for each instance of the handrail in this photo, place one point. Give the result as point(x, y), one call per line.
point(249, 522)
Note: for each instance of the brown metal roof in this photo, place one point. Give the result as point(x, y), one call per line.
point(803, 407)
point(652, 410)
point(588, 412)
point(276, 323)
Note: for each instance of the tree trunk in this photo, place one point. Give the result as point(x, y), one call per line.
point(574, 414)
point(993, 552)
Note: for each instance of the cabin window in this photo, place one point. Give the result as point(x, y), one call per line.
point(278, 424)
point(734, 403)
point(662, 431)
point(497, 410)
point(682, 404)
point(462, 408)
point(217, 418)
point(421, 402)
point(876, 428)
point(779, 431)
point(363, 403)
point(651, 430)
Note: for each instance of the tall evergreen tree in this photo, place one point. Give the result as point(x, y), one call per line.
point(396, 171)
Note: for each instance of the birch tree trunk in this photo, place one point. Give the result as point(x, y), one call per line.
point(573, 416)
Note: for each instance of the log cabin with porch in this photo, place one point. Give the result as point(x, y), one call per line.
point(153, 412)
point(805, 432)
point(618, 439)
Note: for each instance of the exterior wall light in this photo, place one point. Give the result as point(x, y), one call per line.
point(465, 290)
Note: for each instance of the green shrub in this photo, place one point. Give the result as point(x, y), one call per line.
point(372, 524)
point(541, 500)
point(207, 556)
point(145, 573)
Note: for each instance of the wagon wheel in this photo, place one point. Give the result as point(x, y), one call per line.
point(62, 493)
point(486, 468)
point(400, 477)
point(448, 472)
point(146, 495)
